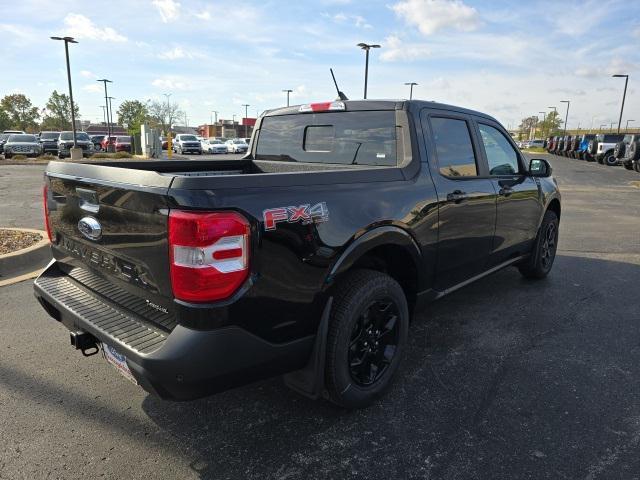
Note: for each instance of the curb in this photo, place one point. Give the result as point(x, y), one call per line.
point(26, 261)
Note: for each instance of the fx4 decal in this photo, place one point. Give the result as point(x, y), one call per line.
point(304, 214)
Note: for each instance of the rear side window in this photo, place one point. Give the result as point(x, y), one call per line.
point(347, 138)
point(453, 147)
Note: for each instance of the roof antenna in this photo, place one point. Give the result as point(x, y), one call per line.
point(341, 95)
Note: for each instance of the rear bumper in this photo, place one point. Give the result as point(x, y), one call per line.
point(182, 364)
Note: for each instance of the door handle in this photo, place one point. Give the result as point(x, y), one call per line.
point(505, 191)
point(456, 196)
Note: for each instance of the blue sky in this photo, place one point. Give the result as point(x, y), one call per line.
point(507, 58)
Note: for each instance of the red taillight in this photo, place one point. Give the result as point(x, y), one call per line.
point(45, 197)
point(209, 254)
point(322, 107)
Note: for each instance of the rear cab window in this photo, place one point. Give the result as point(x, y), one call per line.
point(454, 148)
point(346, 138)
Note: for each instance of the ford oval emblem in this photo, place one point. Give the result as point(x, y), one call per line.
point(90, 228)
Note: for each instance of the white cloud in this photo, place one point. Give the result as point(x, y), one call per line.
point(203, 15)
point(394, 49)
point(88, 74)
point(93, 88)
point(168, 9)
point(433, 15)
point(171, 83)
point(81, 27)
point(340, 17)
point(177, 53)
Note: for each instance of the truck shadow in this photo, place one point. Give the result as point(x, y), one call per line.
point(492, 372)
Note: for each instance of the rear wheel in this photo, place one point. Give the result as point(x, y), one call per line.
point(610, 159)
point(367, 337)
point(543, 255)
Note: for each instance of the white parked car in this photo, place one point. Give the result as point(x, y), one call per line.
point(214, 146)
point(237, 145)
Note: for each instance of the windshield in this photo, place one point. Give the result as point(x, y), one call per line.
point(239, 141)
point(188, 138)
point(4, 136)
point(49, 135)
point(352, 138)
point(627, 139)
point(215, 142)
point(22, 138)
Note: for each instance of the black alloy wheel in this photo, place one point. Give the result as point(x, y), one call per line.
point(374, 341)
point(548, 248)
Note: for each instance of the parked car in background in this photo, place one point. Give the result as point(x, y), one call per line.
point(22, 144)
point(3, 139)
point(187, 143)
point(559, 146)
point(537, 143)
point(123, 144)
point(97, 142)
point(237, 145)
point(65, 143)
point(630, 148)
point(107, 142)
point(49, 142)
point(606, 143)
point(214, 146)
point(583, 145)
point(247, 140)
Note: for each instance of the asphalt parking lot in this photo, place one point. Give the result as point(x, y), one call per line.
point(504, 379)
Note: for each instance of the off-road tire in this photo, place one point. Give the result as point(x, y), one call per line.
point(539, 264)
point(356, 292)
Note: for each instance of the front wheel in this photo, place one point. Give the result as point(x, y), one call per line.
point(367, 336)
point(539, 264)
point(610, 160)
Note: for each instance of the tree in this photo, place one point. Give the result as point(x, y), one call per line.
point(5, 121)
point(551, 125)
point(164, 114)
point(21, 113)
point(132, 114)
point(57, 114)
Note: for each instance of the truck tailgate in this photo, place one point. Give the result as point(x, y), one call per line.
point(104, 228)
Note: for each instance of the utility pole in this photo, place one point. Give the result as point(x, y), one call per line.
point(168, 132)
point(246, 114)
point(626, 81)
point(287, 91)
point(566, 117)
point(366, 47)
point(544, 121)
point(67, 41)
point(411, 84)
point(106, 102)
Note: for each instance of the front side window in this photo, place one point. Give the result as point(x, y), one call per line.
point(501, 156)
point(453, 147)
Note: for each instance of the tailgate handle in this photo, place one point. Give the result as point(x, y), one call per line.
point(88, 200)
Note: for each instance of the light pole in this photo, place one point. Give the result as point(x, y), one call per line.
point(626, 81)
point(611, 126)
point(411, 84)
point(106, 103)
point(366, 47)
point(111, 118)
point(544, 121)
point(67, 41)
point(215, 112)
point(287, 91)
point(626, 128)
point(602, 126)
point(566, 117)
point(246, 114)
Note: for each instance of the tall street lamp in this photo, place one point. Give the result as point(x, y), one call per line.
point(626, 81)
point(215, 112)
point(246, 114)
point(106, 103)
point(566, 117)
point(411, 84)
point(602, 126)
point(366, 47)
point(544, 120)
point(287, 91)
point(67, 41)
point(626, 128)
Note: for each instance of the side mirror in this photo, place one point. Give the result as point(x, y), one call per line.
point(539, 167)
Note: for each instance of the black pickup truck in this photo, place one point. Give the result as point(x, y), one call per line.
point(306, 258)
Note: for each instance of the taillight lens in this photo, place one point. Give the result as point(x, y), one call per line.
point(45, 196)
point(209, 254)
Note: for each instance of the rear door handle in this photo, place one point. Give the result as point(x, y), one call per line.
point(505, 191)
point(456, 196)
